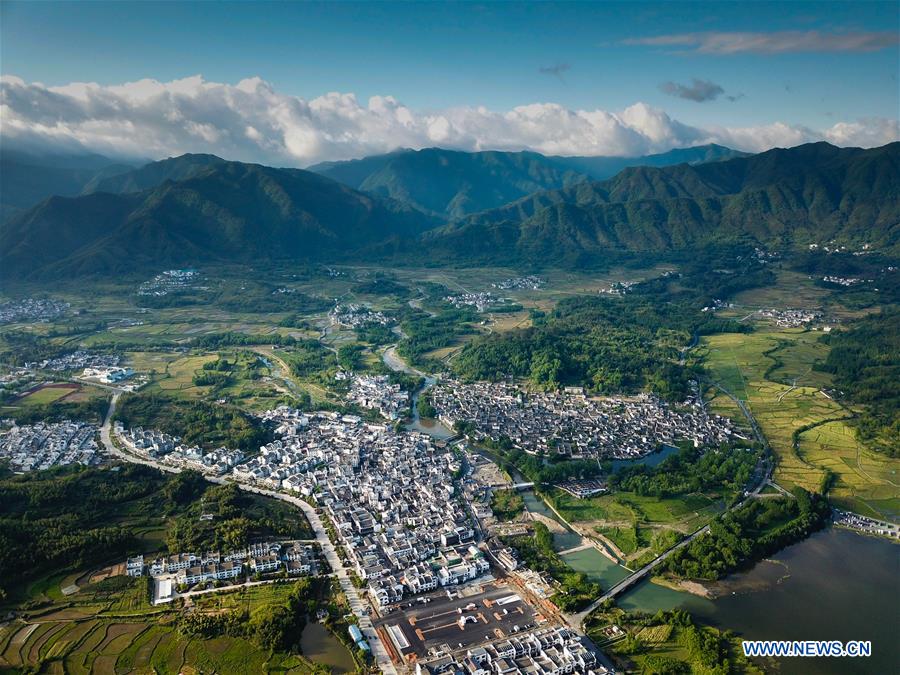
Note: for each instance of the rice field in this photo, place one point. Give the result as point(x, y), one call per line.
point(761, 369)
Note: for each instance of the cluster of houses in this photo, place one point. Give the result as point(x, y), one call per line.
point(294, 558)
point(77, 360)
point(170, 281)
point(390, 497)
point(32, 309)
point(844, 281)
point(356, 316)
point(619, 288)
point(107, 374)
point(36, 447)
point(480, 301)
point(157, 445)
point(571, 424)
point(376, 392)
point(546, 651)
point(791, 318)
point(531, 282)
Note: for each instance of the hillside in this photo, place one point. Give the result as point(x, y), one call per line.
point(152, 175)
point(27, 178)
point(451, 183)
point(809, 194)
point(230, 212)
point(454, 184)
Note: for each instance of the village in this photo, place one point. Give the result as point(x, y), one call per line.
point(376, 392)
point(169, 449)
point(480, 301)
point(573, 425)
point(171, 281)
point(77, 360)
point(356, 316)
point(531, 282)
point(32, 309)
point(41, 446)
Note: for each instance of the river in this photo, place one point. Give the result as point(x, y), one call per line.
point(835, 585)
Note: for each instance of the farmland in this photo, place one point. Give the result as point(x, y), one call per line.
point(110, 627)
point(772, 371)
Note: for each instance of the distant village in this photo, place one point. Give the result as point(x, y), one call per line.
point(36, 447)
point(32, 309)
point(357, 316)
point(171, 281)
point(571, 424)
point(77, 360)
point(791, 318)
point(530, 282)
point(481, 301)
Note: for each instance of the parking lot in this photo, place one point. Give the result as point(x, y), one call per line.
point(474, 615)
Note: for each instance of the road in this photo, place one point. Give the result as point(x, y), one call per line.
point(761, 477)
point(356, 604)
point(576, 620)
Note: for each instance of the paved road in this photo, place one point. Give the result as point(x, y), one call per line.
point(356, 604)
point(576, 620)
point(762, 477)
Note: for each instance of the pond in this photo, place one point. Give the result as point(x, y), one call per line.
point(318, 645)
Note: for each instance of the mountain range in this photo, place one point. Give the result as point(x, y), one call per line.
point(453, 184)
point(790, 198)
point(198, 209)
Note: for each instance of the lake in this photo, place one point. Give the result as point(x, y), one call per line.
point(836, 585)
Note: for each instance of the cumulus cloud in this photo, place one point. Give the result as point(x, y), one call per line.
point(698, 90)
point(776, 42)
point(251, 121)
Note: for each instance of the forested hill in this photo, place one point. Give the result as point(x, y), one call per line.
point(229, 212)
point(453, 183)
point(809, 194)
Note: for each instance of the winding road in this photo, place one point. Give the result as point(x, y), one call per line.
point(379, 652)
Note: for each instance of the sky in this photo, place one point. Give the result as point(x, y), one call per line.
point(293, 83)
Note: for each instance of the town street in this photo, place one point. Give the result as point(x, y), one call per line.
point(356, 604)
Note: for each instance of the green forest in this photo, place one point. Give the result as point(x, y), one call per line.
point(865, 362)
point(749, 533)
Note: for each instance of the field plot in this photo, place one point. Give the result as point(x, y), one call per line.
point(48, 393)
point(748, 367)
point(106, 638)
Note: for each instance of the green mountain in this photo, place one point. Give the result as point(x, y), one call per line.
point(229, 212)
point(809, 194)
point(27, 178)
point(450, 183)
point(153, 174)
point(601, 168)
point(454, 184)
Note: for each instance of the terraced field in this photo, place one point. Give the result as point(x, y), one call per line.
point(772, 371)
point(120, 637)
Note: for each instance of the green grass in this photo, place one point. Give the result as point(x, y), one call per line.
point(746, 365)
point(48, 395)
point(99, 639)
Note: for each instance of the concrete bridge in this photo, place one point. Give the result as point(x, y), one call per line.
point(576, 620)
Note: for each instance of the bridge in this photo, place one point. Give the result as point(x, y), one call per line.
point(514, 486)
point(576, 620)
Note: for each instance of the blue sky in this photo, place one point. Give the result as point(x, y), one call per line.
point(805, 64)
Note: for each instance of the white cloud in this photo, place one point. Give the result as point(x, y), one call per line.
point(251, 121)
point(775, 42)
